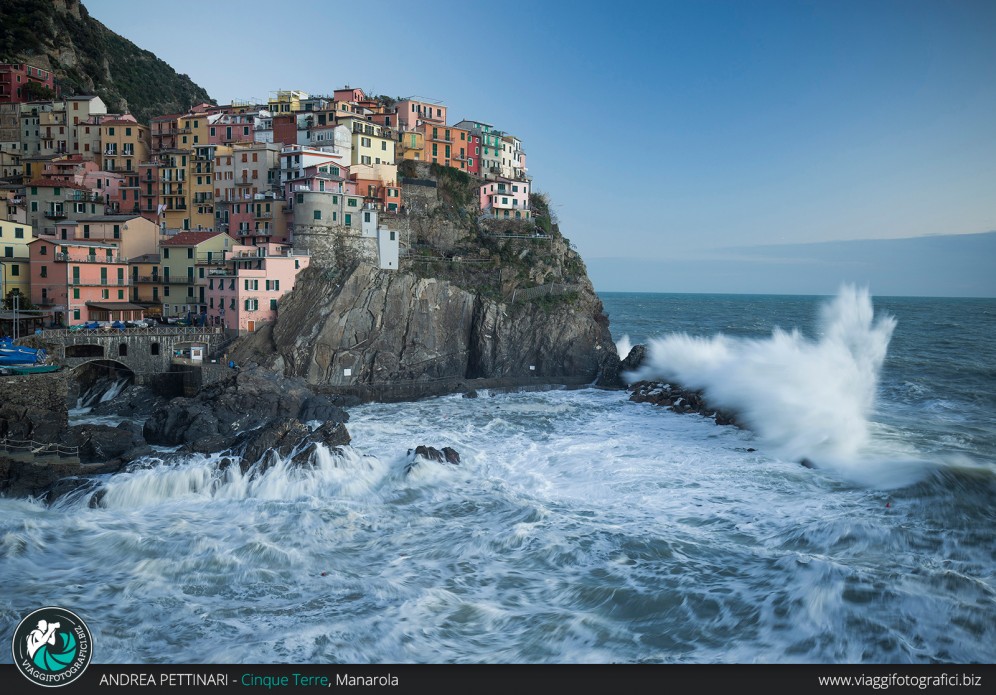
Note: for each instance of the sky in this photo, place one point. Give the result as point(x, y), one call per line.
point(670, 133)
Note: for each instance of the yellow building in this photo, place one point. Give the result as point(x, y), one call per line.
point(146, 283)
point(286, 101)
point(201, 186)
point(185, 257)
point(192, 130)
point(372, 143)
point(15, 267)
point(410, 145)
point(123, 144)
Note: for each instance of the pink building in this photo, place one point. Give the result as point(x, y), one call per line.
point(246, 293)
point(81, 281)
point(506, 199)
point(414, 112)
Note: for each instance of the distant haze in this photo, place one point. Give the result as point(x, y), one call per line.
point(962, 265)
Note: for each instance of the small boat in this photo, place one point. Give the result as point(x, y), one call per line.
point(31, 368)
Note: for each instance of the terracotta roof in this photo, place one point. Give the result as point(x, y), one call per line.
point(52, 183)
point(190, 238)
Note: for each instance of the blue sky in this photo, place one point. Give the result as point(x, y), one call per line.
point(664, 131)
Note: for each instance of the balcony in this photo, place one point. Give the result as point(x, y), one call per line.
point(263, 215)
point(144, 279)
point(70, 258)
point(246, 182)
point(56, 214)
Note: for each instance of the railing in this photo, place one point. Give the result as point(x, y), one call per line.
point(147, 278)
point(161, 329)
point(30, 446)
point(67, 258)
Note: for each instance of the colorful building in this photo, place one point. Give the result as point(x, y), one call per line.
point(246, 290)
point(489, 156)
point(50, 202)
point(15, 78)
point(124, 144)
point(505, 199)
point(414, 112)
point(185, 258)
point(81, 281)
point(15, 258)
point(445, 145)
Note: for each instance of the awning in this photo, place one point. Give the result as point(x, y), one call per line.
point(115, 306)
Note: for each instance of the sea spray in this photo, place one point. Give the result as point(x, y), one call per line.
point(803, 398)
point(624, 346)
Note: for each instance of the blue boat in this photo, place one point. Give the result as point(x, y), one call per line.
point(18, 354)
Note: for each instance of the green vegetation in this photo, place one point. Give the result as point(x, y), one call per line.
point(456, 188)
point(108, 65)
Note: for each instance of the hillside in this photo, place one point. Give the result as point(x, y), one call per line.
point(474, 299)
point(88, 58)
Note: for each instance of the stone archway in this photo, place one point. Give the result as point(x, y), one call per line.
point(97, 380)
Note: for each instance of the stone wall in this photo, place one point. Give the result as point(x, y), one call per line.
point(33, 407)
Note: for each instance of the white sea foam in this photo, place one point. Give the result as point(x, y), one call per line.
point(805, 398)
point(623, 346)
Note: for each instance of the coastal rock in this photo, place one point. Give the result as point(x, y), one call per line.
point(214, 419)
point(288, 436)
point(373, 327)
point(103, 443)
point(30, 478)
point(422, 452)
point(34, 407)
point(679, 400)
point(634, 360)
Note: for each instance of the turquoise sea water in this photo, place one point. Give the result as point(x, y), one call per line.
point(580, 527)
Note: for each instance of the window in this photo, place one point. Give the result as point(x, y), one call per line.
point(318, 214)
point(76, 293)
point(44, 273)
point(392, 236)
point(123, 349)
point(349, 220)
point(18, 232)
point(105, 294)
point(273, 304)
point(76, 314)
point(165, 253)
point(117, 231)
point(15, 270)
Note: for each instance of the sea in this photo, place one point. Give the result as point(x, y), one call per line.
point(581, 527)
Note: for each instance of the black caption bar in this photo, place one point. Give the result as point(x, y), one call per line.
point(277, 679)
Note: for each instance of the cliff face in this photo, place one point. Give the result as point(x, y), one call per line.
point(370, 326)
point(473, 299)
point(88, 58)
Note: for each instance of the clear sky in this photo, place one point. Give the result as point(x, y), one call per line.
point(663, 130)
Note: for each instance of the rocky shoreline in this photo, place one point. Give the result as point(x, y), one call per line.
point(251, 418)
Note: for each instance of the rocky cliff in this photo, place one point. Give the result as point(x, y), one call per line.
point(88, 58)
point(473, 299)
